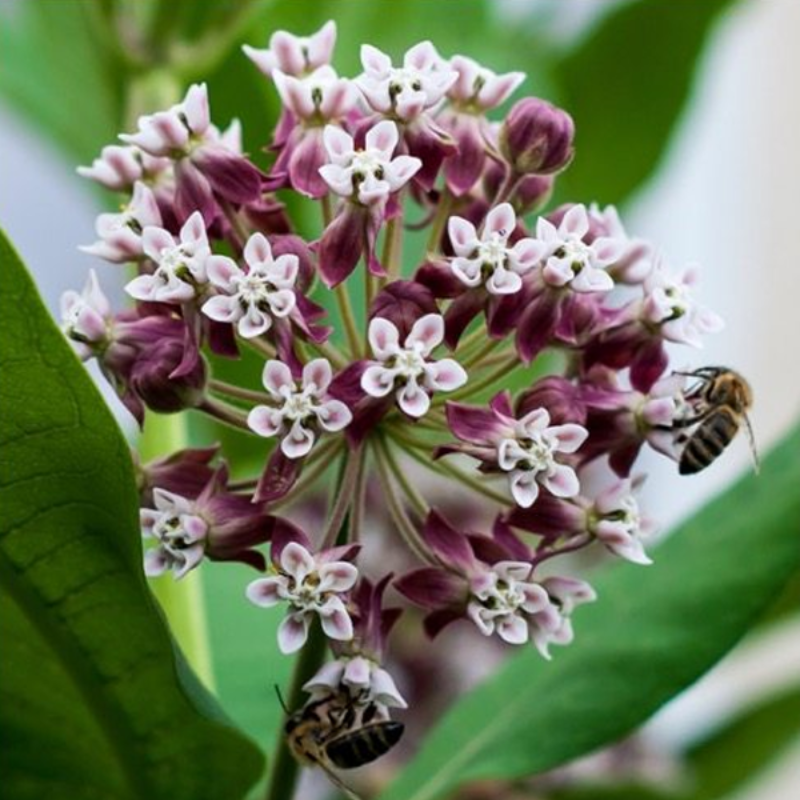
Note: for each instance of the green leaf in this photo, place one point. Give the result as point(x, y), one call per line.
point(736, 753)
point(652, 632)
point(626, 86)
point(94, 700)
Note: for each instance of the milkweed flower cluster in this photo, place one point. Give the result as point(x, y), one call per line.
point(434, 368)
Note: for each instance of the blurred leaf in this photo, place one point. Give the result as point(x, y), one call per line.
point(734, 755)
point(625, 792)
point(653, 631)
point(626, 86)
point(95, 703)
point(57, 71)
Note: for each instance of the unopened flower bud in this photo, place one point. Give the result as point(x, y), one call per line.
point(536, 137)
point(152, 378)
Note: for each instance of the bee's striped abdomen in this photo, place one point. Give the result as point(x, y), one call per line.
point(364, 745)
point(712, 436)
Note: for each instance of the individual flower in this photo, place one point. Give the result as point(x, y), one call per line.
point(119, 167)
point(475, 91)
point(310, 583)
point(121, 233)
point(616, 521)
point(488, 260)
point(527, 448)
point(669, 304)
point(184, 472)
point(371, 174)
point(253, 298)
point(217, 524)
point(295, 55)
point(406, 370)
point(297, 414)
point(491, 581)
point(180, 264)
point(529, 456)
point(86, 318)
point(404, 92)
point(318, 97)
point(571, 260)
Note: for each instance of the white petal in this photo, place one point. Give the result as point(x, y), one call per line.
point(500, 220)
point(293, 632)
point(337, 576)
point(334, 415)
point(277, 376)
point(257, 251)
point(445, 375)
point(427, 331)
point(384, 338)
point(317, 376)
point(413, 400)
point(265, 421)
point(266, 592)
point(297, 561)
point(298, 442)
point(524, 488)
point(377, 380)
point(222, 308)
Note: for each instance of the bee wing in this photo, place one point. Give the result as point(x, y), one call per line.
point(752, 441)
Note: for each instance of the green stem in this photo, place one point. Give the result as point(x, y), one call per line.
point(488, 380)
point(344, 497)
point(229, 415)
point(439, 222)
point(182, 601)
point(240, 393)
point(348, 318)
point(392, 258)
point(284, 765)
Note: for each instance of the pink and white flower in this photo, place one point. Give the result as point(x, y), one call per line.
point(181, 264)
point(530, 457)
point(487, 259)
point(172, 133)
point(310, 585)
point(121, 234)
point(370, 175)
point(361, 677)
point(253, 298)
point(669, 303)
point(615, 521)
point(406, 370)
point(119, 167)
point(297, 414)
point(179, 531)
point(404, 92)
point(86, 318)
point(554, 624)
point(478, 89)
point(503, 597)
point(318, 97)
point(295, 55)
point(570, 260)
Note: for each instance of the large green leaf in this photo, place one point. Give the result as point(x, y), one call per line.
point(626, 86)
point(94, 700)
point(653, 631)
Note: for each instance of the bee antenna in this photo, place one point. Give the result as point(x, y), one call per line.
point(280, 699)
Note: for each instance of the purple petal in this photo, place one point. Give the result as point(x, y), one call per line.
point(449, 545)
point(473, 424)
point(430, 587)
point(293, 632)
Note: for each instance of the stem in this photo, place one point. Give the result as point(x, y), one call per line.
point(578, 543)
point(316, 465)
point(404, 525)
point(408, 488)
point(221, 387)
point(488, 380)
point(348, 318)
point(284, 765)
point(507, 186)
point(224, 413)
point(331, 352)
point(481, 353)
point(261, 347)
point(392, 257)
point(439, 222)
point(357, 508)
point(327, 209)
point(182, 601)
point(344, 497)
point(239, 233)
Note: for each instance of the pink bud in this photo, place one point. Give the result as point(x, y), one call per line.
point(536, 137)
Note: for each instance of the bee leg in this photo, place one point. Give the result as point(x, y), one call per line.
point(340, 784)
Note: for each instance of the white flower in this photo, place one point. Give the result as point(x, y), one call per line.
point(320, 96)
point(295, 55)
point(179, 531)
point(617, 523)
point(369, 175)
point(251, 299)
point(553, 625)
point(311, 585)
point(121, 234)
point(173, 132)
point(479, 89)
point(120, 166)
point(530, 457)
point(404, 92)
point(488, 260)
point(85, 317)
point(502, 598)
point(298, 412)
point(670, 304)
point(181, 266)
point(570, 261)
point(362, 677)
point(406, 370)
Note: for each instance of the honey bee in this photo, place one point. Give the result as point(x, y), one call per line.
point(340, 731)
point(719, 403)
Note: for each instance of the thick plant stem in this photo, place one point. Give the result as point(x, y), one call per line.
point(439, 222)
point(348, 318)
point(284, 767)
point(182, 601)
